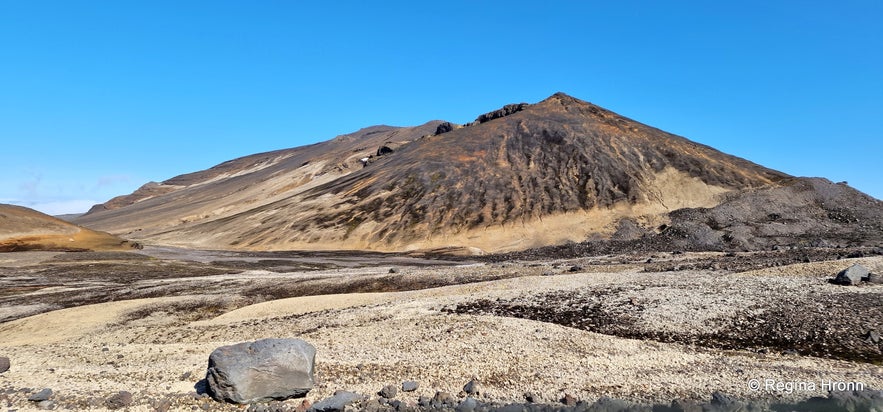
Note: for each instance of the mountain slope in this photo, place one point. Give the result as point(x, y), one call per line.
point(27, 229)
point(522, 176)
point(244, 183)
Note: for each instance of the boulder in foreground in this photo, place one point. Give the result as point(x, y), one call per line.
point(264, 370)
point(852, 275)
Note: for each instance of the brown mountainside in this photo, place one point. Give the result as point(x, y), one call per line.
point(243, 184)
point(519, 177)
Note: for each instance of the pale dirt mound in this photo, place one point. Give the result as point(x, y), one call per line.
point(24, 229)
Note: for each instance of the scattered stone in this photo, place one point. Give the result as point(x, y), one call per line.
point(185, 376)
point(473, 387)
point(723, 402)
point(4, 364)
point(46, 405)
point(372, 405)
point(530, 397)
point(119, 400)
point(575, 268)
point(442, 399)
point(399, 405)
point(875, 278)
point(467, 405)
point(851, 276)
point(336, 403)
point(686, 405)
point(607, 404)
point(424, 401)
point(873, 336)
point(264, 370)
point(548, 273)
point(409, 386)
point(569, 400)
point(388, 391)
point(43, 395)
point(161, 405)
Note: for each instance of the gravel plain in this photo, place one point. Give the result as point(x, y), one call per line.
point(591, 327)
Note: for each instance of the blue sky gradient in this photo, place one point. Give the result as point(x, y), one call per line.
point(98, 98)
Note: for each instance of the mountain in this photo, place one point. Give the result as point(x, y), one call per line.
point(27, 229)
point(526, 175)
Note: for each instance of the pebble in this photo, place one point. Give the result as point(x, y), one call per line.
point(409, 386)
point(388, 391)
point(43, 395)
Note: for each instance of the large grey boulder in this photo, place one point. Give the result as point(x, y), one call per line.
point(852, 275)
point(260, 371)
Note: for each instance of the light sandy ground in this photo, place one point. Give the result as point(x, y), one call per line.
point(369, 340)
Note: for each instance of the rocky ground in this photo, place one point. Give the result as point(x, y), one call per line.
point(134, 330)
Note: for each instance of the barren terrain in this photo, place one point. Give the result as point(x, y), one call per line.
point(644, 327)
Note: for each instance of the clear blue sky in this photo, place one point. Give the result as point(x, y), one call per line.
point(97, 98)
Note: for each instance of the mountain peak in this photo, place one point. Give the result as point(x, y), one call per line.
point(564, 99)
point(521, 176)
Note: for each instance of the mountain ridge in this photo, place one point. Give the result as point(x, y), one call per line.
point(526, 175)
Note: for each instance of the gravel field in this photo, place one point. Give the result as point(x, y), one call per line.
point(591, 327)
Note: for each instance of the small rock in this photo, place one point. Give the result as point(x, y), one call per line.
point(388, 391)
point(4, 364)
point(575, 268)
point(424, 401)
point(161, 405)
point(46, 405)
point(119, 400)
point(336, 403)
point(686, 405)
point(43, 395)
point(443, 399)
point(409, 386)
point(372, 405)
point(473, 387)
point(530, 397)
point(874, 278)
point(851, 276)
point(398, 405)
point(185, 376)
point(467, 405)
point(873, 336)
point(569, 400)
point(393, 270)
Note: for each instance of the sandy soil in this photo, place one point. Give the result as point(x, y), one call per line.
point(157, 348)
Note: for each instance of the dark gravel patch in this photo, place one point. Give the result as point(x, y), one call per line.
point(832, 326)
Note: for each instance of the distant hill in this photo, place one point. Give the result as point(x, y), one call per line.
point(24, 229)
point(526, 175)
